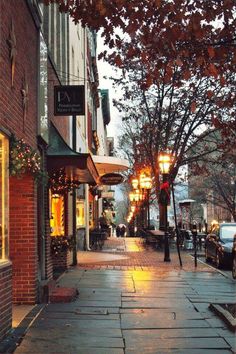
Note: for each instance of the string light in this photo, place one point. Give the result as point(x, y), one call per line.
point(59, 183)
point(23, 159)
point(60, 244)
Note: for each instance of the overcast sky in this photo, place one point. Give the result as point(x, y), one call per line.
point(104, 69)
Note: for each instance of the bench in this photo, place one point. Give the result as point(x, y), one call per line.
point(97, 238)
point(155, 238)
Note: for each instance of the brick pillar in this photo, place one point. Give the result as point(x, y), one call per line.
point(23, 239)
point(62, 260)
point(5, 298)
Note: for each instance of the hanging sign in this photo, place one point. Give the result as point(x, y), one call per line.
point(69, 100)
point(111, 179)
point(108, 195)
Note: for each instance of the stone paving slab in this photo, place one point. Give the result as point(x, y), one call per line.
point(107, 285)
point(59, 340)
point(138, 322)
point(75, 307)
point(93, 324)
point(95, 303)
point(182, 343)
point(177, 351)
point(216, 322)
point(81, 316)
point(143, 337)
point(78, 351)
point(171, 323)
point(68, 331)
point(213, 299)
point(167, 313)
point(161, 284)
point(232, 342)
point(159, 294)
point(138, 302)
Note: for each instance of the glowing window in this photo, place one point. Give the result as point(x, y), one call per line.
point(57, 221)
point(4, 195)
point(80, 217)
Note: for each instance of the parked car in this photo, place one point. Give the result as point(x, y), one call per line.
point(234, 258)
point(219, 245)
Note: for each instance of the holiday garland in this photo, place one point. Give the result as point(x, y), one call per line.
point(23, 159)
point(59, 183)
point(60, 244)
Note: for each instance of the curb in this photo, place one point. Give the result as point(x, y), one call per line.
point(14, 337)
point(217, 270)
point(224, 315)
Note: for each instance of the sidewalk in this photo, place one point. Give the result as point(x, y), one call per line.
point(134, 304)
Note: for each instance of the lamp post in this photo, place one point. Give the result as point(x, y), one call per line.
point(146, 184)
point(135, 183)
point(134, 196)
point(164, 161)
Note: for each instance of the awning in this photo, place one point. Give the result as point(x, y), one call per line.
point(77, 166)
point(110, 164)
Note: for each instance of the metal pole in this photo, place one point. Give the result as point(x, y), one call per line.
point(148, 208)
point(74, 238)
point(194, 232)
point(166, 239)
point(176, 226)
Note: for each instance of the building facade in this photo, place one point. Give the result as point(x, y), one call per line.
point(48, 171)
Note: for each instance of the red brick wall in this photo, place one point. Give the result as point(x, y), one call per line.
point(26, 59)
point(49, 266)
point(23, 239)
point(62, 260)
point(22, 192)
point(5, 299)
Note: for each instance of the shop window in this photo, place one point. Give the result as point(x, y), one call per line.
point(4, 195)
point(57, 220)
point(80, 217)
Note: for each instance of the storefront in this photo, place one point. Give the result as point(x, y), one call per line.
point(5, 265)
point(68, 171)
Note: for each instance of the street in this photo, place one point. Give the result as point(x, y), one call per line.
point(126, 306)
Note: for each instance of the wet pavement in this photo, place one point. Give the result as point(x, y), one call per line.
point(134, 304)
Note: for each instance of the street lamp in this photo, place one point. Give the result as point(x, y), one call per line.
point(146, 184)
point(134, 183)
point(164, 161)
point(135, 196)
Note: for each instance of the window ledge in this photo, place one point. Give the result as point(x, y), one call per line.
point(5, 263)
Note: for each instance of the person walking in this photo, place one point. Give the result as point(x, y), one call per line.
point(117, 231)
point(103, 222)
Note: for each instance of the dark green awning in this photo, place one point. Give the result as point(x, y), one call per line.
point(77, 166)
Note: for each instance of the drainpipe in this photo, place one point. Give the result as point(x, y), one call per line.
point(87, 218)
point(74, 236)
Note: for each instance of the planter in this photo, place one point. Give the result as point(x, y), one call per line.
point(61, 252)
point(62, 260)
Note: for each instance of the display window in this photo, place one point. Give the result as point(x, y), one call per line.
point(80, 214)
point(57, 220)
point(4, 197)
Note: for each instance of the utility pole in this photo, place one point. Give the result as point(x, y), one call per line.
point(74, 234)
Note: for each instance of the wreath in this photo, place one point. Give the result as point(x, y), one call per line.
point(60, 244)
point(23, 159)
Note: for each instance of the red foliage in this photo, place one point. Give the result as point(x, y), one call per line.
point(199, 33)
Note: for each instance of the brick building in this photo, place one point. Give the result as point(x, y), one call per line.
point(18, 116)
point(41, 48)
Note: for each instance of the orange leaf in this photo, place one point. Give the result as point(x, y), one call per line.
point(179, 62)
point(118, 60)
point(211, 52)
point(222, 81)
point(212, 70)
point(193, 107)
point(158, 3)
point(209, 94)
point(187, 75)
